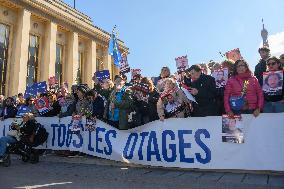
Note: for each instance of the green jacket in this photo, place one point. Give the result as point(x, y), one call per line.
point(125, 106)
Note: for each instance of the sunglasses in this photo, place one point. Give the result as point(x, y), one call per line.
point(271, 63)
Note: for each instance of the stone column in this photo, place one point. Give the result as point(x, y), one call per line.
point(72, 64)
point(19, 57)
point(90, 64)
point(47, 68)
point(107, 62)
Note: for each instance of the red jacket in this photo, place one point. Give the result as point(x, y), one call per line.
point(254, 94)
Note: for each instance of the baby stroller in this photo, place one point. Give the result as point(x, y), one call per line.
point(32, 134)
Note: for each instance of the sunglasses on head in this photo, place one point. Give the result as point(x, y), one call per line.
point(271, 63)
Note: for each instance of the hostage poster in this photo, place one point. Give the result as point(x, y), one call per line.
point(232, 129)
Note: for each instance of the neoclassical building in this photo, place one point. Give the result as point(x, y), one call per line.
point(44, 38)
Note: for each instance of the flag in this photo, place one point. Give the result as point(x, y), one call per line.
point(23, 110)
point(104, 74)
point(234, 55)
point(113, 49)
point(181, 63)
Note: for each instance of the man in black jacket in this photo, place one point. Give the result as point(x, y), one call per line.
point(203, 88)
point(264, 53)
point(9, 109)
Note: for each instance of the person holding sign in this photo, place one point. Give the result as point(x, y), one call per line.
point(203, 89)
point(172, 102)
point(165, 73)
point(243, 94)
point(273, 87)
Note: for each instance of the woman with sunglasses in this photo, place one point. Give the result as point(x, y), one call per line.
point(244, 87)
point(274, 99)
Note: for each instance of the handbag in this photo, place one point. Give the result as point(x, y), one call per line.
point(237, 102)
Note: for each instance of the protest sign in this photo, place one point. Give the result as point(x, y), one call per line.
point(124, 66)
point(234, 55)
point(36, 88)
point(272, 83)
point(42, 105)
point(181, 63)
point(232, 129)
point(23, 110)
point(135, 73)
point(221, 77)
point(101, 75)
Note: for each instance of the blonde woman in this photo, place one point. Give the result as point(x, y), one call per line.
point(172, 102)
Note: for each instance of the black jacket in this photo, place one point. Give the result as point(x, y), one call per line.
point(206, 96)
point(11, 112)
point(259, 69)
point(98, 107)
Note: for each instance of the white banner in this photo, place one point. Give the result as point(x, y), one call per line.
point(186, 143)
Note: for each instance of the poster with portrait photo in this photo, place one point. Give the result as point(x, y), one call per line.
point(232, 129)
point(221, 77)
point(272, 83)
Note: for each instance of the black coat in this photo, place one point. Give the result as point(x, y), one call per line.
point(98, 107)
point(259, 69)
point(206, 96)
point(55, 110)
point(11, 112)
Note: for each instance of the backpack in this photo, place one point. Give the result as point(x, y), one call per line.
point(41, 135)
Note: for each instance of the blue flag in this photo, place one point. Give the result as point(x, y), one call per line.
point(114, 51)
point(23, 110)
point(111, 45)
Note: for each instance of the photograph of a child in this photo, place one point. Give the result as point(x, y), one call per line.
point(273, 82)
point(221, 77)
point(232, 129)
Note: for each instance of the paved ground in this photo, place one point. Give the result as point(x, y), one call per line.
point(58, 172)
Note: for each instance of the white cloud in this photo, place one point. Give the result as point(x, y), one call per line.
point(276, 44)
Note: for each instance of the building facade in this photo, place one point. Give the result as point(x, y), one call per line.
point(44, 38)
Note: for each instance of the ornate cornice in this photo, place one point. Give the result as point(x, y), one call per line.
point(57, 10)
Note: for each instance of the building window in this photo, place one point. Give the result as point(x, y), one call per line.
point(33, 60)
point(58, 63)
point(80, 68)
point(4, 43)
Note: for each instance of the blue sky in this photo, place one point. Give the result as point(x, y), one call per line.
point(157, 31)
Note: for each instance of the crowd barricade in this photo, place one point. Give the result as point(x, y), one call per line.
point(186, 143)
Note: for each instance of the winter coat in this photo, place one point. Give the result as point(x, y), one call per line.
point(253, 96)
point(82, 107)
point(258, 71)
point(98, 107)
point(123, 106)
point(206, 97)
point(105, 93)
point(54, 110)
point(9, 112)
point(70, 109)
point(179, 100)
point(148, 109)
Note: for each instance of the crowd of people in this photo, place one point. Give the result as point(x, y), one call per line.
point(125, 105)
point(194, 92)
